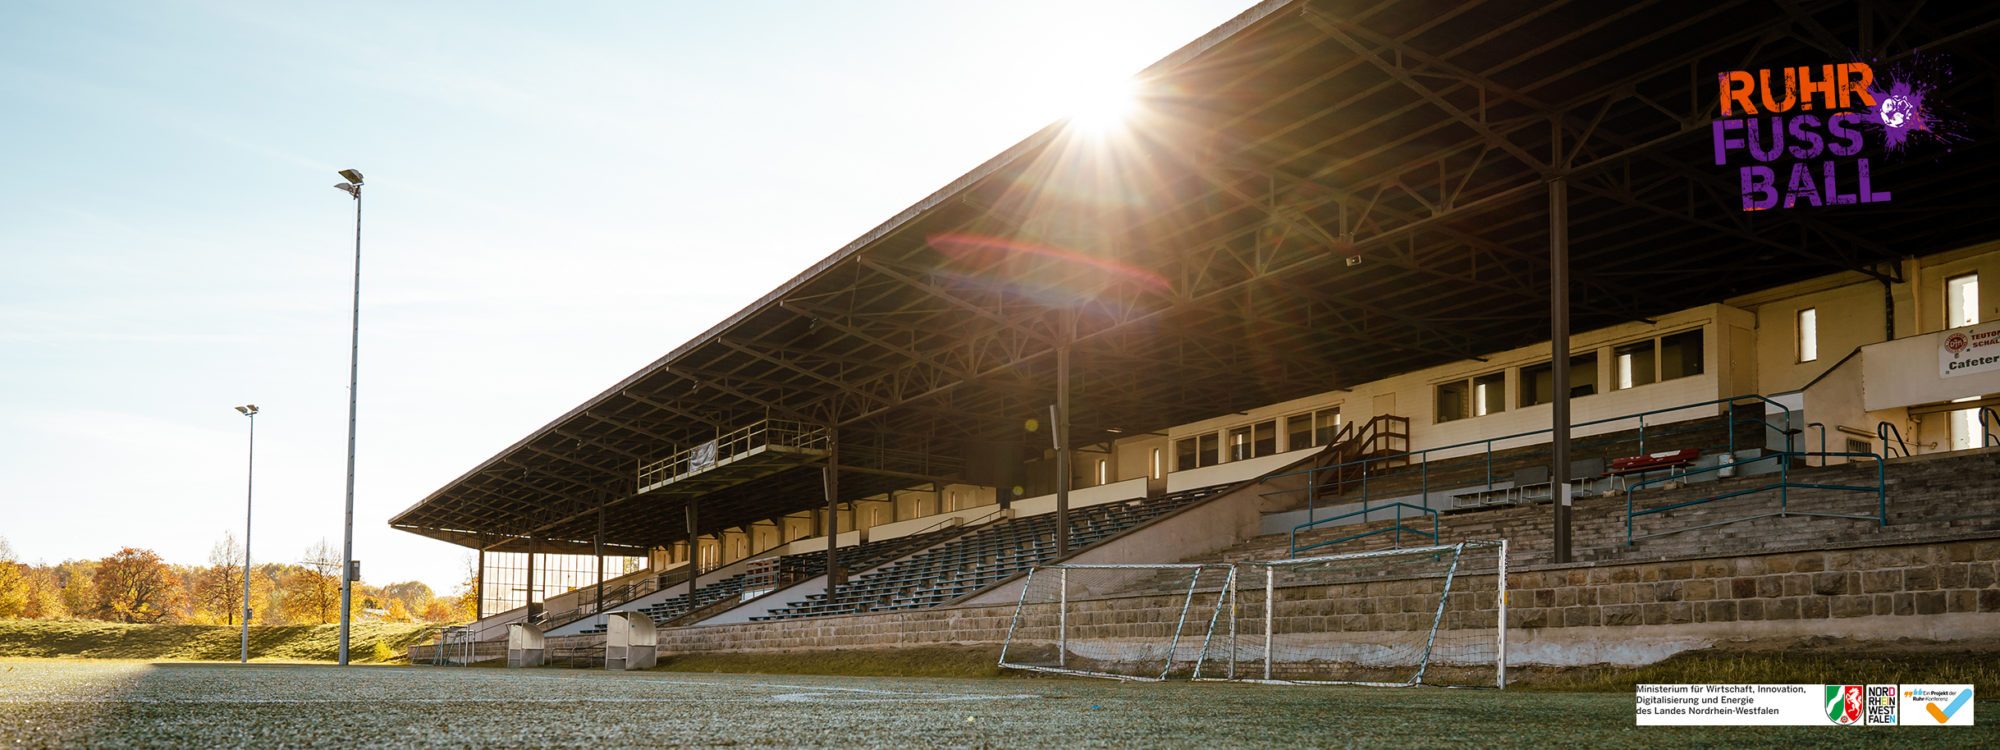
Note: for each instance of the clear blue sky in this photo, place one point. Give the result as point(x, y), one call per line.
point(557, 194)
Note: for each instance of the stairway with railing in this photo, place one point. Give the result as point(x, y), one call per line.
point(981, 558)
point(1931, 496)
point(1414, 487)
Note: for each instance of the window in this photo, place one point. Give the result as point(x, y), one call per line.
point(1538, 381)
point(1196, 451)
point(1961, 300)
point(1809, 334)
point(1157, 473)
point(1264, 438)
point(1239, 443)
point(1299, 431)
point(1451, 399)
point(1103, 472)
point(1326, 426)
point(1634, 364)
point(1680, 355)
point(1489, 394)
point(1477, 397)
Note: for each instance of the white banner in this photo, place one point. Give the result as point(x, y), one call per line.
point(1803, 705)
point(1968, 350)
point(702, 457)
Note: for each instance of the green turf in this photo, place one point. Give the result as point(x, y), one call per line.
point(83, 703)
point(107, 640)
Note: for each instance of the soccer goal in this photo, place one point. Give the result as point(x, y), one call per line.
point(1125, 622)
point(1434, 615)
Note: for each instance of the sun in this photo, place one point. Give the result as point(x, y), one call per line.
point(1104, 107)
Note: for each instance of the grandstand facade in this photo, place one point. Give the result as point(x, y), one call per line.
point(1310, 300)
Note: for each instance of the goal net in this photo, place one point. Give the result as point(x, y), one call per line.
point(1431, 615)
point(1127, 622)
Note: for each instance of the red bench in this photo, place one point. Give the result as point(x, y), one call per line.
point(1679, 459)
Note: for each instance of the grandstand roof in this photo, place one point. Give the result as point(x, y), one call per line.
point(1205, 254)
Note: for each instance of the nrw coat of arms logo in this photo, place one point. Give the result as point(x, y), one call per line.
point(1843, 704)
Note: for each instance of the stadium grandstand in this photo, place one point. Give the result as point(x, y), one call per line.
point(1309, 299)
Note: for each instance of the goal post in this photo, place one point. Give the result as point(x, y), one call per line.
point(1433, 615)
point(1144, 622)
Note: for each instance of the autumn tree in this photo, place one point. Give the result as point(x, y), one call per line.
point(216, 591)
point(76, 579)
point(134, 585)
point(13, 584)
point(312, 589)
point(466, 606)
point(44, 595)
point(415, 595)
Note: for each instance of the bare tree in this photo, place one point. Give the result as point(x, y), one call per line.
point(218, 588)
point(312, 591)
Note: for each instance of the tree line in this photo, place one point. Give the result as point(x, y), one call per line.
point(135, 585)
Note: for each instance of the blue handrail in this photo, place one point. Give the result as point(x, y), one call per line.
point(1398, 528)
point(1992, 439)
point(1313, 475)
point(1783, 486)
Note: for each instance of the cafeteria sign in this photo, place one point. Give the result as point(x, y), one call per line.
point(1969, 350)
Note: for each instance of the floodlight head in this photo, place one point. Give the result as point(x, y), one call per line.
point(351, 175)
point(350, 188)
point(248, 410)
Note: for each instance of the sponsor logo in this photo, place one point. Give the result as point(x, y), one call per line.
point(1942, 703)
point(1956, 342)
point(1843, 704)
point(1881, 706)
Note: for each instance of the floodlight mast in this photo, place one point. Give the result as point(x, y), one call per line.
point(249, 494)
point(353, 188)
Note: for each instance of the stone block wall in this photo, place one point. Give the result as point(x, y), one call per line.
point(1800, 593)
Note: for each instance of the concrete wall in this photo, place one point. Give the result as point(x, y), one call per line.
point(1904, 373)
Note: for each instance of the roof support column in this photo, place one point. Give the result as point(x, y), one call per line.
point(694, 552)
point(831, 477)
point(1061, 428)
point(528, 588)
point(1559, 363)
point(479, 584)
point(597, 548)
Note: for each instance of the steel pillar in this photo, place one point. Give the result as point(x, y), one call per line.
point(479, 586)
point(597, 548)
point(1061, 428)
point(1559, 363)
point(694, 552)
point(831, 475)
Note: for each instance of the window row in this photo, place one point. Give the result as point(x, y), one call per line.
point(1661, 358)
point(1255, 440)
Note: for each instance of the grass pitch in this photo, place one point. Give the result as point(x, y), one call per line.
point(111, 704)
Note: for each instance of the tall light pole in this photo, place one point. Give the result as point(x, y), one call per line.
point(249, 492)
point(353, 188)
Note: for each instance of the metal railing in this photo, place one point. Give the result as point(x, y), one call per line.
point(1313, 475)
point(1891, 437)
point(1784, 485)
point(1986, 415)
point(1397, 529)
point(729, 446)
